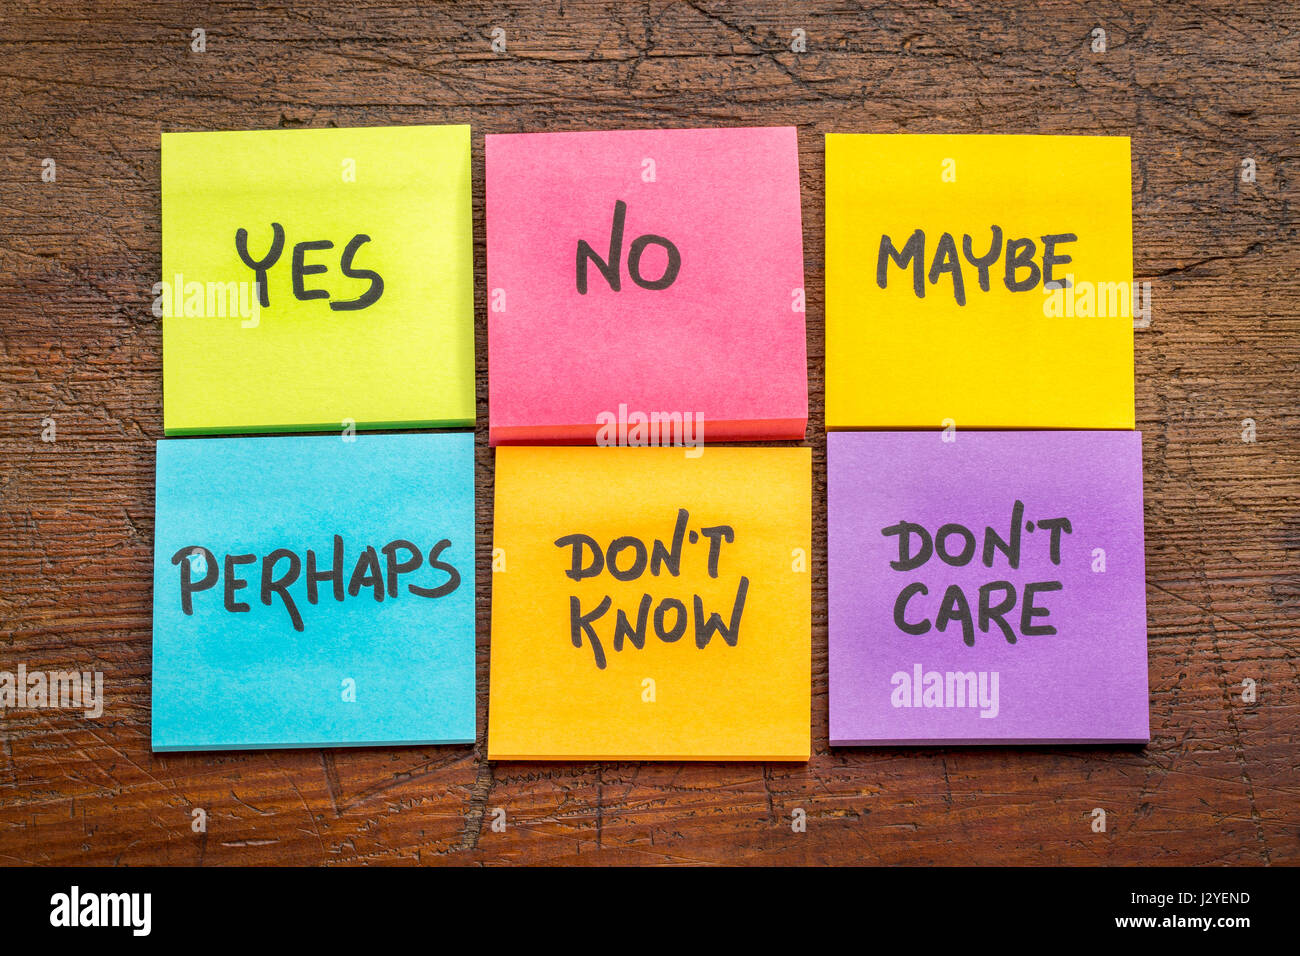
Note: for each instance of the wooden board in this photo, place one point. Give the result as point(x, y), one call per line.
point(1198, 88)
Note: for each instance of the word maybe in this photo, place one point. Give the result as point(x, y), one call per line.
point(1019, 257)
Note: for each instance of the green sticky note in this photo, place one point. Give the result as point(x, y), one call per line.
point(316, 279)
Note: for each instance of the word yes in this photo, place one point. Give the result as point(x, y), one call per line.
point(302, 269)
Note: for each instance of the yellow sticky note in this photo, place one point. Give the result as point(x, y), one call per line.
point(647, 605)
point(979, 282)
point(316, 279)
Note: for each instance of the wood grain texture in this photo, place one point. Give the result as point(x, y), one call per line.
point(1197, 87)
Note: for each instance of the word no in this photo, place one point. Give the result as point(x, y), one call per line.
point(611, 266)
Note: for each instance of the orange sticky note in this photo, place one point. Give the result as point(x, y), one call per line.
point(650, 605)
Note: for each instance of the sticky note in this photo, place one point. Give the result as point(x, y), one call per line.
point(987, 589)
point(645, 287)
point(314, 592)
point(647, 605)
point(316, 279)
point(947, 261)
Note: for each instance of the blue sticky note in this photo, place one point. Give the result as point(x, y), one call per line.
point(314, 592)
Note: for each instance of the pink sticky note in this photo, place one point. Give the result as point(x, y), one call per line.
point(691, 322)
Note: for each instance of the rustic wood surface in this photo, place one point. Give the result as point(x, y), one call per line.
point(1197, 87)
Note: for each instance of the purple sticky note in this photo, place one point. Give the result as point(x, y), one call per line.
point(986, 587)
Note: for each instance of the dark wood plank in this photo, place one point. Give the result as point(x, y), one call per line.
point(1198, 88)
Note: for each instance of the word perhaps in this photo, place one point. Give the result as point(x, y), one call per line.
point(301, 268)
point(916, 546)
point(1019, 257)
point(367, 572)
point(589, 560)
